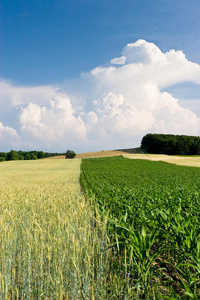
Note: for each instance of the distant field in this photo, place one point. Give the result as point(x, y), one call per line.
point(107, 153)
point(192, 161)
point(56, 157)
point(178, 160)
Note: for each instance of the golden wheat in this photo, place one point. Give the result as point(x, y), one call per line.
point(49, 243)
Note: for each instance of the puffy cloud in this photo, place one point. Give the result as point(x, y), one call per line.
point(143, 52)
point(146, 63)
point(106, 106)
point(117, 120)
point(8, 136)
point(53, 123)
point(132, 102)
point(7, 131)
point(15, 95)
point(43, 118)
point(118, 60)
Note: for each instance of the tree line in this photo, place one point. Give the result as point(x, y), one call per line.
point(26, 155)
point(171, 144)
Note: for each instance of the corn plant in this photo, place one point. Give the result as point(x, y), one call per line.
point(153, 223)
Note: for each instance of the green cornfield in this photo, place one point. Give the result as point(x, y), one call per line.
point(153, 223)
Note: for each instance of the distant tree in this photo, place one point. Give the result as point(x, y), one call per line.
point(12, 155)
point(4, 155)
point(70, 154)
point(27, 156)
point(40, 154)
point(171, 144)
point(30, 156)
point(33, 156)
point(2, 158)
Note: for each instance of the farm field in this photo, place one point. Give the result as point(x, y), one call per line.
point(193, 161)
point(49, 246)
point(107, 153)
point(136, 235)
point(153, 213)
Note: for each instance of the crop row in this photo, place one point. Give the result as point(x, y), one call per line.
point(153, 224)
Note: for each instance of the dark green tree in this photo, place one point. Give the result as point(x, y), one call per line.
point(171, 144)
point(40, 154)
point(3, 155)
point(12, 155)
point(70, 154)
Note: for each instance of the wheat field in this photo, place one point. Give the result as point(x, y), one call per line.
point(50, 242)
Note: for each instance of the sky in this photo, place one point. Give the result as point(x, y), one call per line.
point(94, 75)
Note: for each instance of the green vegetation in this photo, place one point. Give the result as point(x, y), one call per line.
point(26, 155)
point(50, 243)
point(171, 144)
point(153, 211)
point(70, 154)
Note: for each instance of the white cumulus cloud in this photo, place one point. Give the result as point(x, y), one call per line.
point(108, 105)
point(52, 123)
point(143, 52)
point(8, 135)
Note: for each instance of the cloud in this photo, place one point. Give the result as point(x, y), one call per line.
point(8, 135)
point(114, 120)
point(119, 121)
point(131, 102)
point(105, 107)
point(143, 52)
point(43, 118)
point(19, 95)
point(118, 61)
point(13, 96)
point(53, 123)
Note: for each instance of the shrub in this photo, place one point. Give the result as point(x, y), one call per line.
point(70, 154)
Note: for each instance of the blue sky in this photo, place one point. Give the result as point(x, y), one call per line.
point(49, 41)
point(50, 48)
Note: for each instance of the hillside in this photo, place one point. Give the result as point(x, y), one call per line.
point(133, 153)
